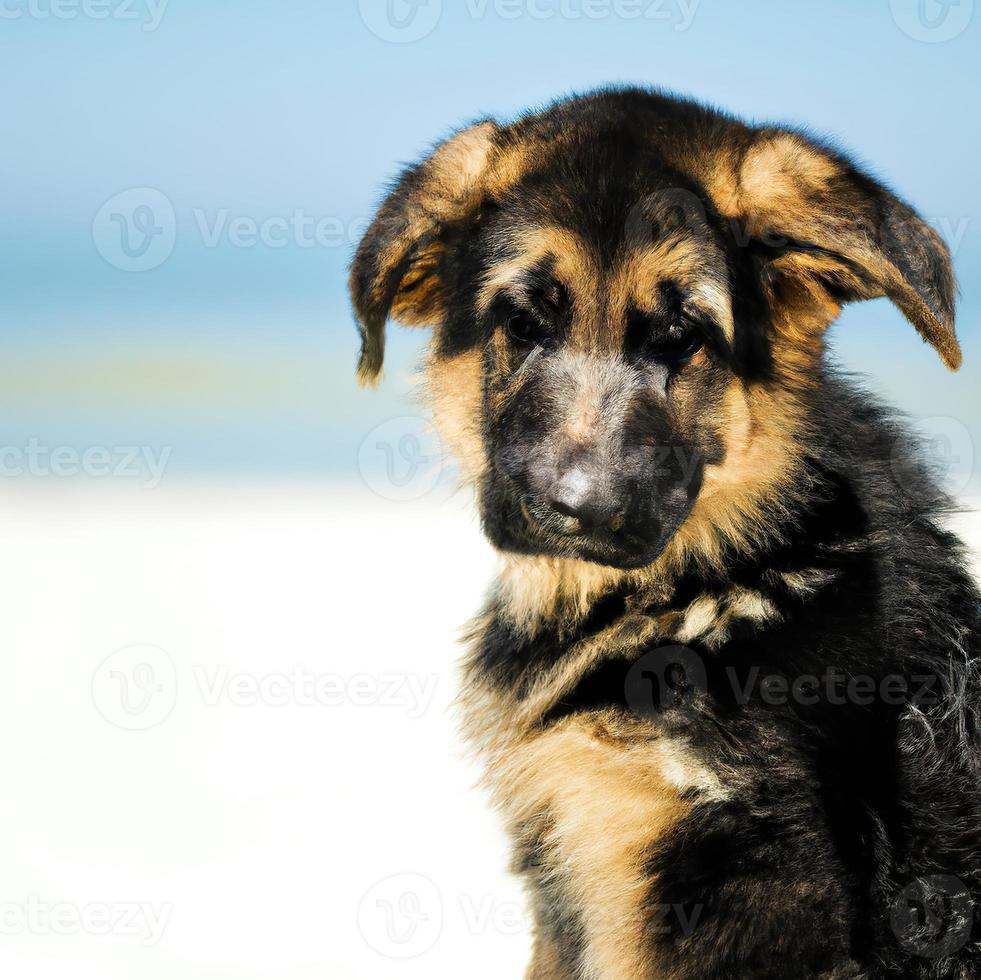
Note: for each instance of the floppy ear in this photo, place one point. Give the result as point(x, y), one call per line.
point(830, 234)
point(397, 269)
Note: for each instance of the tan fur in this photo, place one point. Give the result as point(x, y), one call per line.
point(595, 792)
point(761, 433)
point(627, 638)
point(778, 173)
point(457, 171)
point(453, 390)
point(740, 604)
point(575, 266)
point(511, 163)
point(802, 312)
point(784, 186)
point(695, 264)
point(537, 588)
point(700, 616)
point(769, 190)
point(419, 300)
point(719, 171)
point(752, 605)
point(451, 189)
point(807, 581)
point(546, 961)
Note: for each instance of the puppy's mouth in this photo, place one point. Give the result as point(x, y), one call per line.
point(536, 529)
point(568, 526)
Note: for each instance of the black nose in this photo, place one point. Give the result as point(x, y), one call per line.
point(584, 495)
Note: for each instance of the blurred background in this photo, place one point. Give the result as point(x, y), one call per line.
point(197, 502)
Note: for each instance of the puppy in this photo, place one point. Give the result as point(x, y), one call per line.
point(726, 687)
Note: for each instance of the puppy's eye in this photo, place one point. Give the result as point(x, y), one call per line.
point(524, 328)
point(677, 347)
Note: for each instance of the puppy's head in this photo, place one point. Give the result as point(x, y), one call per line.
point(629, 295)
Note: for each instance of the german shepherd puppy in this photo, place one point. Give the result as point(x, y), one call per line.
point(726, 686)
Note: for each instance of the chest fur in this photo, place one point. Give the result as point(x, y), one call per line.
point(594, 796)
point(591, 789)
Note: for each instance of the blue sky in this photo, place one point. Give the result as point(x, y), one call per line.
point(272, 128)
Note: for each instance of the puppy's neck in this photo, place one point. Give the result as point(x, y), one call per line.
point(534, 591)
